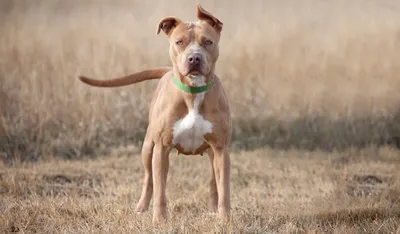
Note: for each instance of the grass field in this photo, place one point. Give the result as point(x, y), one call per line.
point(290, 191)
point(313, 87)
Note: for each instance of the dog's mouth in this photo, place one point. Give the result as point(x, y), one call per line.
point(195, 73)
point(193, 70)
point(192, 73)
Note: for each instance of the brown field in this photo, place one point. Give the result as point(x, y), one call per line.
point(279, 191)
point(314, 88)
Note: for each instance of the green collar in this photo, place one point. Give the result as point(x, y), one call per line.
point(193, 90)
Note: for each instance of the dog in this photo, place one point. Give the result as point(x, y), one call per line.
point(189, 111)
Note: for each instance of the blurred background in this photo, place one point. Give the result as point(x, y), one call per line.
point(299, 74)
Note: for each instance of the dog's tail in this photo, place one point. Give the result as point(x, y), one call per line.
point(155, 73)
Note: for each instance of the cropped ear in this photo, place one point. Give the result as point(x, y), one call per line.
point(209, 18)
point(168, 24)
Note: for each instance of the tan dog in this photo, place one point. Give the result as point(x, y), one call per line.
point(189, 111)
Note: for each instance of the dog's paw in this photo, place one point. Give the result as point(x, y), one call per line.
point(211, 214)
point(141, 213)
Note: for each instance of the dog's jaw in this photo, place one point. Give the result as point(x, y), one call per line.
point(197, 80)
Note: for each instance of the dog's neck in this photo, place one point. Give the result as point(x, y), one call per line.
point(194, 101)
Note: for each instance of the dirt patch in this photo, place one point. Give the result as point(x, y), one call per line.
point(366, 185)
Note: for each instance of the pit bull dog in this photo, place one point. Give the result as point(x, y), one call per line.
point(189, 111)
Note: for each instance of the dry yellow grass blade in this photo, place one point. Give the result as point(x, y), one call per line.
point(289, 191)
point(314, 89)
point(306, 74)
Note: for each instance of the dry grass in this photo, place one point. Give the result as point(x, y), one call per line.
point(305, 74)
point(289, 191)
point(314, 89)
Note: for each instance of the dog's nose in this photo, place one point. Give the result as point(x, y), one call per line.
point(194, 59)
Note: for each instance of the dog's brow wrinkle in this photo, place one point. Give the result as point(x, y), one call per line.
point(192, 24)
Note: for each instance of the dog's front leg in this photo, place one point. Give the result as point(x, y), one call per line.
point(160, 166)
point(222, 176)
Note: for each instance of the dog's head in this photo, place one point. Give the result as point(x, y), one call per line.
point(193, 45)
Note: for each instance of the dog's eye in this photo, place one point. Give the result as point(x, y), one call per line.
point(208, 42)
point(180, 42)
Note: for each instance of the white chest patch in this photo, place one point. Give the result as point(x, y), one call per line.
point(189, 132)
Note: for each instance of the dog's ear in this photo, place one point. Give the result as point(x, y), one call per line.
point(168, 24)
point(209, 18)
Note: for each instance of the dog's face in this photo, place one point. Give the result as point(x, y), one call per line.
point(193, 45)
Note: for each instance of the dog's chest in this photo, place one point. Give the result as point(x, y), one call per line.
point(189, 131)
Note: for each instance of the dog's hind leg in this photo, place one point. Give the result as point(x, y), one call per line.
point(213, 185)
point(147, 190)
